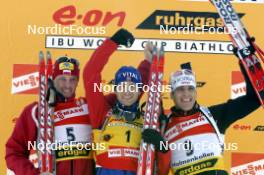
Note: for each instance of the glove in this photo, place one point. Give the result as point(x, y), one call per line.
point(251, 47)
point(123, 37)
point(152, 136)
point(250, 90)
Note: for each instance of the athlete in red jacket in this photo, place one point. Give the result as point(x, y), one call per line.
point(71, 123)
point(118, 124)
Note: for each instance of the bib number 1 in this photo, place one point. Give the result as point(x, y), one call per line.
point(128, 133)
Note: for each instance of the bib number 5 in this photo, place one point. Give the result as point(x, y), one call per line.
point(70, 134)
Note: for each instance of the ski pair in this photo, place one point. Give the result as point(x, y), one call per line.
point(246, 47)
point(146, 161)
point(45, 113)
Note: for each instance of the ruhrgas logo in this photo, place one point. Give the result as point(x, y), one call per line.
point(238, 87)
point(25, 79)
point(68, 15)
point(247, 164)
point(180, 19)
point(235, 1)
point(259, 128)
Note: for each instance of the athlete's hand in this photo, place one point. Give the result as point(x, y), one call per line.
point(148, 51)
point(154, 137)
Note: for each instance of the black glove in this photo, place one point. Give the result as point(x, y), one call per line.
point(52, 100)
point(250, 90)
point(251, 48)
point(123, 37)
point(152, 136)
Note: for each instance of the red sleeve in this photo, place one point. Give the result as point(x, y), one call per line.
point(163, 163)
point(17, 153)
point(98, 104)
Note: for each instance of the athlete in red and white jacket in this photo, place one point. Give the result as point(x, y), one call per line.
point(71, 123)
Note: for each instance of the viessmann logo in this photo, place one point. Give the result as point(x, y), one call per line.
point(25, 79)
point(247, 164)
point(180, 19)
point(238, 87)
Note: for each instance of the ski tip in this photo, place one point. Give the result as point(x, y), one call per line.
point(155, 50)
point(48, 55)
point(41, 55)
point(161, 51)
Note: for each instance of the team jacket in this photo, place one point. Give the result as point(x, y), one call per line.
point(99, 106)
point(203, 125)
point(71, 122)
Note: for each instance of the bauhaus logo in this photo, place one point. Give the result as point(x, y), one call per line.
point(181, 19)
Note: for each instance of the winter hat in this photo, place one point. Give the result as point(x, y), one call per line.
point(127, 73)
point(184, 77)
point(66, 66)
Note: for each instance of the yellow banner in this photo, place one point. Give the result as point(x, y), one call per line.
point(76, 28)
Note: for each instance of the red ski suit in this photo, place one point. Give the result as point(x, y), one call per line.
point(99, 104)
point(17, 153)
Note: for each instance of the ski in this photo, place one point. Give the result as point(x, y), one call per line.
point(46, 109)
point(146, 161)
point(42, 113)
point(51, 164)
point(246, 48)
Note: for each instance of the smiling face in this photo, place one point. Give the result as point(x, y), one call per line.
point(66, 85)
point(127, 93)
point(184, 97)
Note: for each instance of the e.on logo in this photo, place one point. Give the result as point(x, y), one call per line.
point(68, 15)
point(25, 79)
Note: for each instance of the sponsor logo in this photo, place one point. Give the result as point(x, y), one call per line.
point(179, 20)
point(123, 152)
point(259, 128)
point(238, 87)
point(68, 15)
point(25, 79)
point(242, 127)
point(66, 65)
point(247, 164)
point(196, 167)
point(181, 127)
point(71, 112)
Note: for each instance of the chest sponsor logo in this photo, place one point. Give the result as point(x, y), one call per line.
point(71, 112)
point(183, 126)
point(123, 152)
